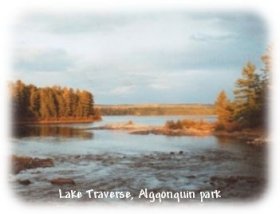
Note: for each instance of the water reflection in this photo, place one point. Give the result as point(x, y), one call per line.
point(50, 131)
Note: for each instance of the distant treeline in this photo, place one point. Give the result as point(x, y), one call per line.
point(31, 103)
point(159, 109)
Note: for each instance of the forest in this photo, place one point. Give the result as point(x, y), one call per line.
point(156, 109)
point(31, 103)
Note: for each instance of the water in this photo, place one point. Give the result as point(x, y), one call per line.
point(116, 160)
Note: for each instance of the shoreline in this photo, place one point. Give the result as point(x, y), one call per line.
point(252, 136)
point(48, 122)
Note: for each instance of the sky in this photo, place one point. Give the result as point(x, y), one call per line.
point(140, 57)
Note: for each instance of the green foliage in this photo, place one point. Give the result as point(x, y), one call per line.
point(251, 96)
point(50, 103)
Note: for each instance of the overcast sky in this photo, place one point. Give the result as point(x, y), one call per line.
point(148, 57)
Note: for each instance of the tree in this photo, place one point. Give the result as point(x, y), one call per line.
point(247, 106)
point(223, 109)
point(264, 87)
point(86, 100)
point(69, 101)
point(20, 100)
point(34, 102)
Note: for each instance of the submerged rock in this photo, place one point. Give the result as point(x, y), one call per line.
point(63, 181)
point(24, 182)
point(191, 176)
point(23, 163)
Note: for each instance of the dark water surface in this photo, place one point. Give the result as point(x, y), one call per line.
point(115, 160)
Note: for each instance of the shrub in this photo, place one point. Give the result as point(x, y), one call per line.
point(181, 124)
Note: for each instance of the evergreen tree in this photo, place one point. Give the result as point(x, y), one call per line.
point(86, 100)
point(247, 97)
point(34, 102)
point(264, 98)
point(223, 109)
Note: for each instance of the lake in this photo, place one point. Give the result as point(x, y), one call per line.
point(109, 160)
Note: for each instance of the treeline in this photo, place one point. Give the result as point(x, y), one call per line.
point(31, 103)
point(146, 110)
point(249, 107)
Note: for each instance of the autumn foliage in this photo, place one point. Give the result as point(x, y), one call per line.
point(31, 103)
point(249, 107)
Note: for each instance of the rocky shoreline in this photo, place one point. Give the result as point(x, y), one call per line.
point(22, 163)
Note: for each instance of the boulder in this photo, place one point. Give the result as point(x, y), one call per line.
point(24, 182)
point(62, 181)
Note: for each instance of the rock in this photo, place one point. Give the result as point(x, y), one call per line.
point(181, 152)
point(203, 158)
point(232, 179)
point(257, 141)
point(23, 163)
point(214, 178)
point(191, 176)
point(24, 182)
point(172, 153)
point(62, 181)
point(130, 122)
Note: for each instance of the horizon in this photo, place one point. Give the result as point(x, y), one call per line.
point(169, 57)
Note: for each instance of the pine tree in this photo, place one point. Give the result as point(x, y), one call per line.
point(44, 110)
point(247, 95)
point(69, 102)
point(34, 102)
point(264, 98)
point(86, 101)
point(223, 110)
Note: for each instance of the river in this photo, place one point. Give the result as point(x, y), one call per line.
point(108, 160)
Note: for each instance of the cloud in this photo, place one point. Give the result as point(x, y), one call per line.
point(47, 60)
point(123, 90)
point(171, 56)
point(213, 37)
point(78, 23)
